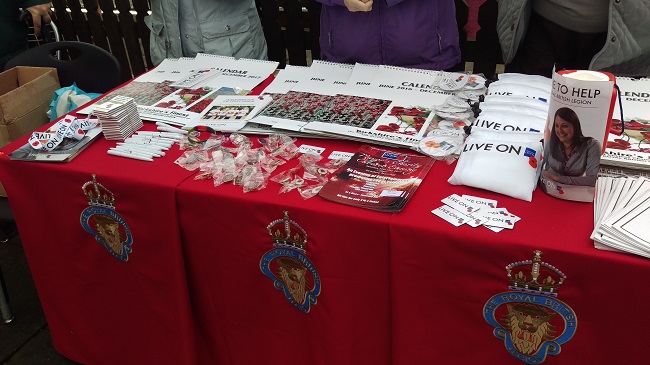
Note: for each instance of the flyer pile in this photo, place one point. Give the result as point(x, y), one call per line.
point(621, 215)
point(475, 212)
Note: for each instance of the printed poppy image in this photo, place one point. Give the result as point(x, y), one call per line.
point(619, 144)
point(460, 124)
point(405, 120)
point(635, 136)
point(432, 144)
point(616, 127)
point(532, 161)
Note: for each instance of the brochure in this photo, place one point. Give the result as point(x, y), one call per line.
point(377, 179)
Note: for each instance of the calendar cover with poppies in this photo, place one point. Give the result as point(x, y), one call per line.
point(628, 143)
point(391, 106)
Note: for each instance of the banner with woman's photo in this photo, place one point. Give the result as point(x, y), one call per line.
point(579, 116)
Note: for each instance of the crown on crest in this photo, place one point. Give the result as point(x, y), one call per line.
point(535, 276)
point(286, 233)
point(97, 194)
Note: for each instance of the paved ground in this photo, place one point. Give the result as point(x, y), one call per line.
point(25, 340)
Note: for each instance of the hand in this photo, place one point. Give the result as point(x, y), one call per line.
point(40, 16)
point(358, 5)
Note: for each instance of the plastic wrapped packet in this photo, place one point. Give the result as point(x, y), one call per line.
point(192, 159)
point(206, 171)
point(290, 179)
point(229, 169)
point(310, 191)
point(240, 140)
point(256, 181)
point(275, 141)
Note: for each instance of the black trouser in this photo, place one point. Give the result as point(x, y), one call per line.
point(547, 43)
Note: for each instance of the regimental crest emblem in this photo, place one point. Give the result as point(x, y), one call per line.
point(102, 221)
point(529, 319)
point(291, 271)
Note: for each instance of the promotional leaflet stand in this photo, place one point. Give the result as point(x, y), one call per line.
point(580, 114)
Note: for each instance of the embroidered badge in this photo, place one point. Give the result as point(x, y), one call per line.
point(102, 221)
point(530, 319)
point(291, 271)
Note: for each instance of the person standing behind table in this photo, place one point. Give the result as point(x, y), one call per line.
point(14, 31)
point(570, 157)
point(410, 33)
point(606, 35)
point(183, 28)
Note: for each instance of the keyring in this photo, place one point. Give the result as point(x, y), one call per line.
point(193, 138)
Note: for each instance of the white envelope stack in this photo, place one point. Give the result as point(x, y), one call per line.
point(118, 117)
point(622, 214)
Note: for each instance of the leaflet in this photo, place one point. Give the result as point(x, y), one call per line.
point(377, 179)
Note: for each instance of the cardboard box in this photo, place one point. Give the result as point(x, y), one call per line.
point(25, 97)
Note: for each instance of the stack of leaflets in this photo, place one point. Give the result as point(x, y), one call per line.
point(377, 179)
point(621, 215)
point(475, 212)
point(118, 117)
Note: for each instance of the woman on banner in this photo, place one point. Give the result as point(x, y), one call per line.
point(411, 33)
point(570, 157)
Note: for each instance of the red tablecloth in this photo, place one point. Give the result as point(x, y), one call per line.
point(244, 319)
point(100, 309)
point(443, 276)
point(405, 288)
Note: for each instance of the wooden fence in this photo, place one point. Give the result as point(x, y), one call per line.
point(291, 28)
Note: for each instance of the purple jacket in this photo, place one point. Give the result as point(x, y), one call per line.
point(411, 33)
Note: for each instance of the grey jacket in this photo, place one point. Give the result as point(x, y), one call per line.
point(626, 53)
point(221, 27)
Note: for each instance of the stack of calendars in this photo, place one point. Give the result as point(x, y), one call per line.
point(375, 104)
point(621, 215)
point(377, 179)
point(118, 117)
point(628, 142)
point(179, 89)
